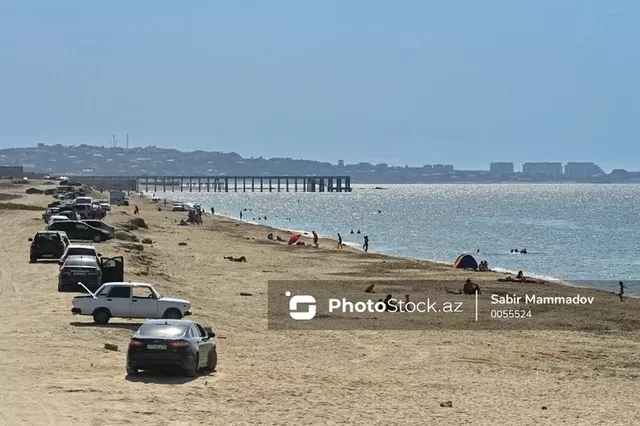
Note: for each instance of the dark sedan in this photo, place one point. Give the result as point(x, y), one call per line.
point(77, 230)
point(80, 268)
point(161, 344)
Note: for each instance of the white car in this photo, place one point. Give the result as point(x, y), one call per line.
point(80, 250)
point(178, 207)
point(57, 218)
point(128, 300)
point(83, 200)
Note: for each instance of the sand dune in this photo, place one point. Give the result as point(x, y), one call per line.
point(54, 370)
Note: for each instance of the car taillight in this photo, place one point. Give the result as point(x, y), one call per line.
point(136, 343)
point(93, 272)
point(179, 344)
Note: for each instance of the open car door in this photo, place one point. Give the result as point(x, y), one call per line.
point(112, 269)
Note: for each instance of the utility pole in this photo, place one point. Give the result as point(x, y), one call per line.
point(127, 140)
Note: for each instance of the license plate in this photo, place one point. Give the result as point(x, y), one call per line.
point(156, 346)
point(79, 273)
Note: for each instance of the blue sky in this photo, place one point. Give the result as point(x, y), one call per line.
point(409, 82)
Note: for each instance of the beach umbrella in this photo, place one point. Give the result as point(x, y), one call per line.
point(293, 239)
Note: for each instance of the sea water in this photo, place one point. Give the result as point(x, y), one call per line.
point(573, 232)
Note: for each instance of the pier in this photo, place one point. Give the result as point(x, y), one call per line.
point(232, 183)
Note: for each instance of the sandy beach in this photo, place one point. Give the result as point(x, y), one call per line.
point(55, 371)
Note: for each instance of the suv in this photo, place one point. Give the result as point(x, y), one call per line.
point(49, 244)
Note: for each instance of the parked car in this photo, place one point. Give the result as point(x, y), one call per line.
point(69, 214)
point(181, 344)
point(178, 207)
point(80, 268)
point(54, 204)
point(65, 238)
point(46, 244)
point(79, 250)
point(105, 206)
point(57, 218)
point(101, 225)
point(128, 300)
point(52, 211)
point(77, 230)
point(117, 197)
point(82, 209)
point(83, 200)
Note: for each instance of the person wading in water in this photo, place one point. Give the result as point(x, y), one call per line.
point(622, 287)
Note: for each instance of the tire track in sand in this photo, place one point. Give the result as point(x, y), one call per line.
point(6, 283)
point(39, 414)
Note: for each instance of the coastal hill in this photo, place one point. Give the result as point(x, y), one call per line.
point(151, 160)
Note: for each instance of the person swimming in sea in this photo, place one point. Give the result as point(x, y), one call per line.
point(358, 231)
point(352, 231)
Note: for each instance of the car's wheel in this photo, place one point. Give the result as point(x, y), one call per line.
point(212, 360)
point(97, 238)
point(131, 371)
point(33, 260)
point(101, 316)
point(173, 314)
point(192, 370)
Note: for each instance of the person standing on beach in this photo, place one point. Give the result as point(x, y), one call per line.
point(622, 287)
point(365, 246)
point(315, 239)
point(213, 211)
point(339, 241)
point(241, 215)
point(136, 210)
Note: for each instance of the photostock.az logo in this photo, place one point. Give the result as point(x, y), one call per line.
point(310, 301)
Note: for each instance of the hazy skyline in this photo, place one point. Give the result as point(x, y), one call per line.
point(463, 83)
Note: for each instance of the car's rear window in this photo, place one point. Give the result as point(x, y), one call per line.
point(48, 237)
point(81, 251)
point(162, 330)
point(81, 261)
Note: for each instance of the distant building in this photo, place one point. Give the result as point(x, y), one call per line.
point(581, 170)
point(544, 169)
point(13, 171)
point(501, 168)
